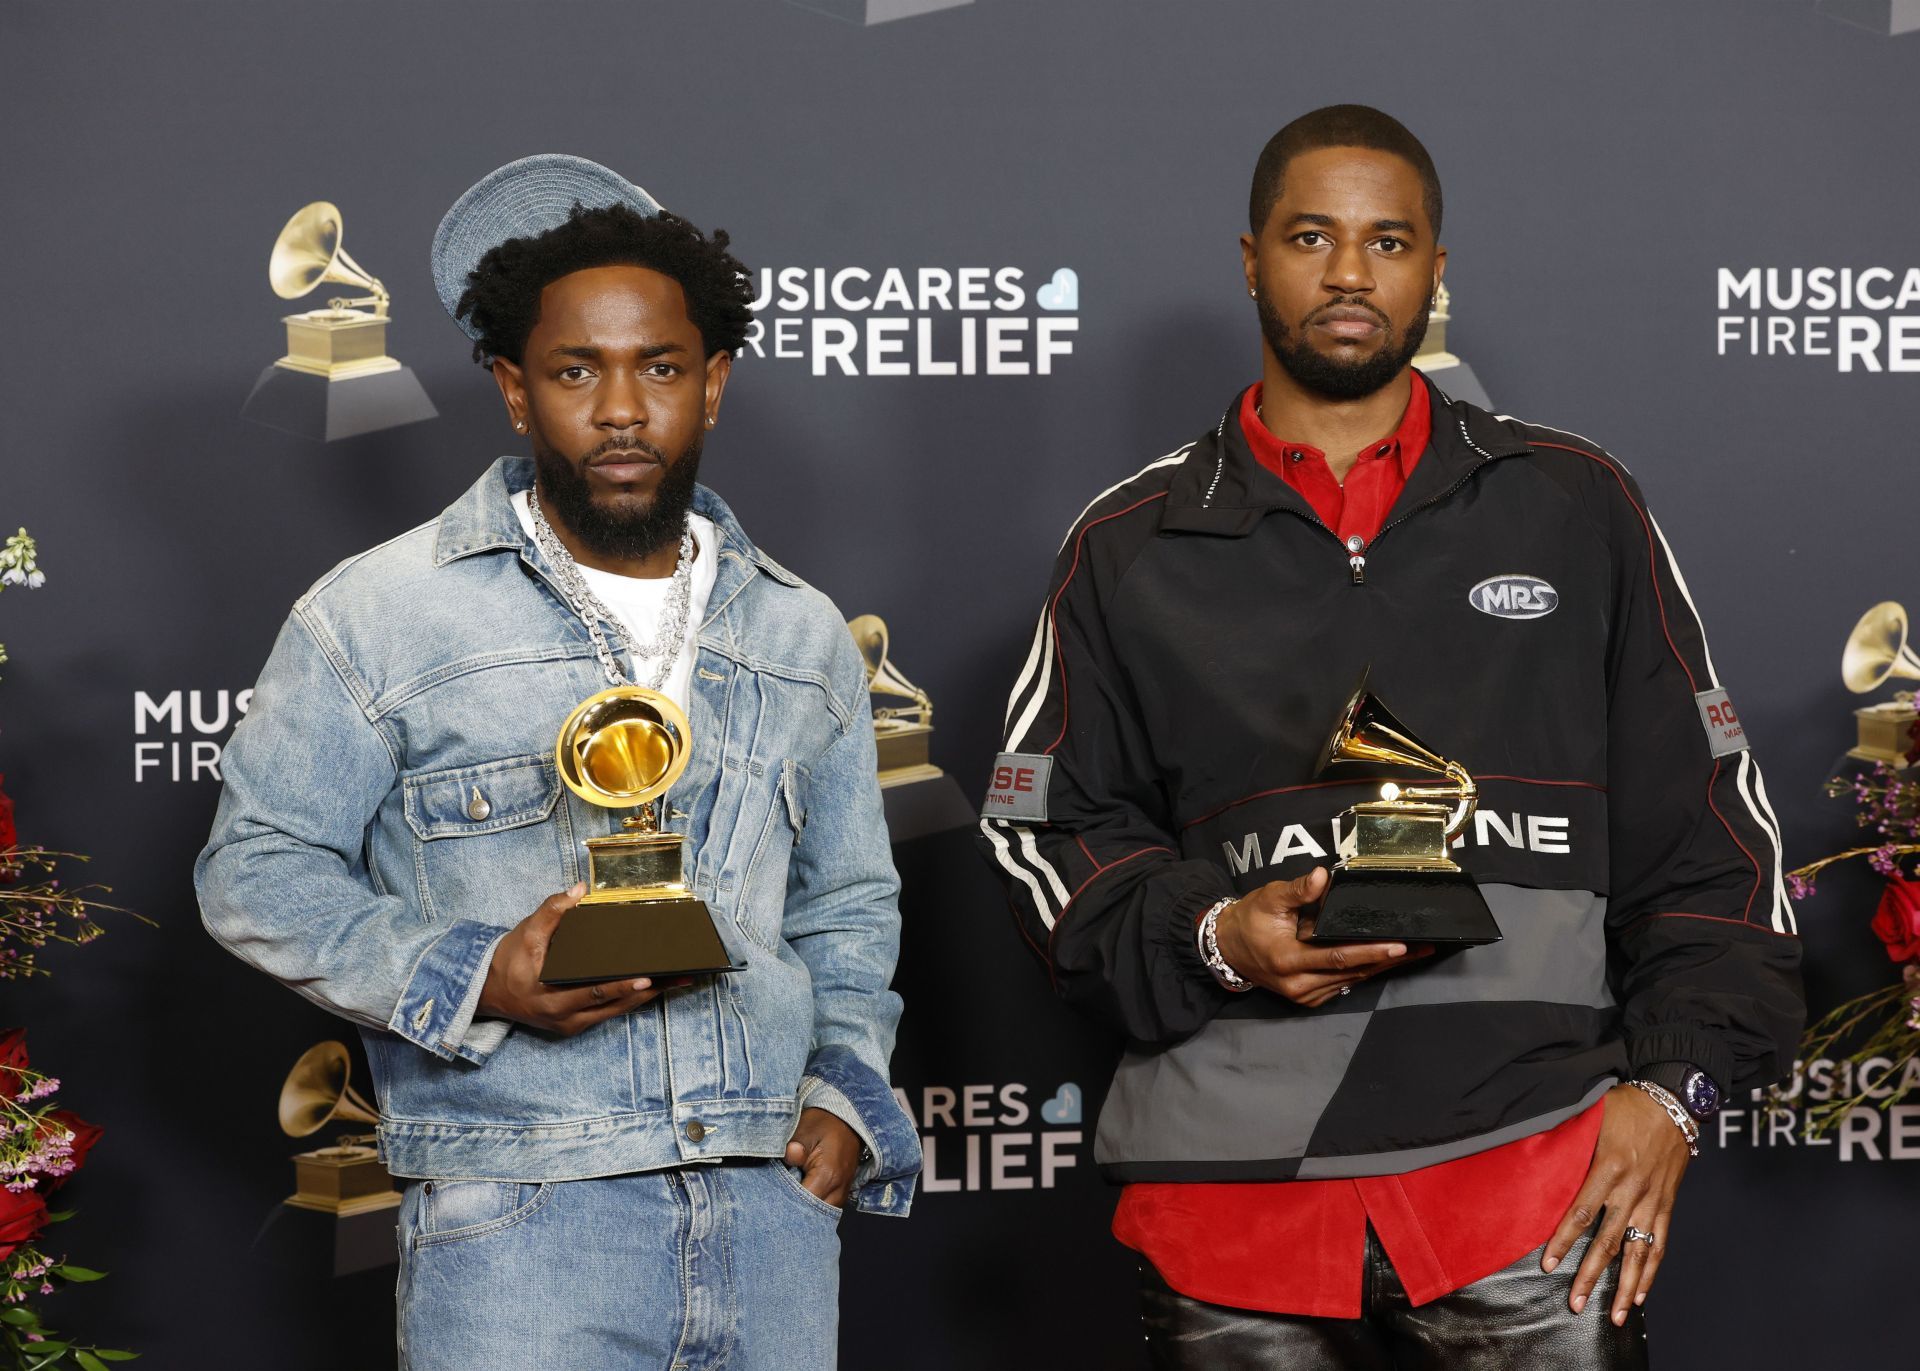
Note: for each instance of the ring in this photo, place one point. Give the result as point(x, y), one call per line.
point(1345, 989)
point(598, 995)
point(1639, 1235)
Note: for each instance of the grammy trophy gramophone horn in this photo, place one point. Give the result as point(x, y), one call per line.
point(1877, 649)
point(316, 1092)
point(308, 251)
point(624, 746)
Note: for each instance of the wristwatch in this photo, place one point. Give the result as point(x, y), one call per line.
point(1694, 1088)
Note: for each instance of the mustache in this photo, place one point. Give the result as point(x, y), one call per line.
point(1366, 305)
point(613, 445)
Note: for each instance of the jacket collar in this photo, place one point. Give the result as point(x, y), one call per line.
point(1222, 489)
point(483, 520)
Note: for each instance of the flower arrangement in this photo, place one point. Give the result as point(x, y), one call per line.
point(1883, 1024)
point(41, 1145)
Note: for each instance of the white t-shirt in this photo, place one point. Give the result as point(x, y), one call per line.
point(641, 600)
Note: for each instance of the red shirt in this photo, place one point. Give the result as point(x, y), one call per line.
point(1296, 1247)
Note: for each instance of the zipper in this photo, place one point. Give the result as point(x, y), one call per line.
point(1357, 548)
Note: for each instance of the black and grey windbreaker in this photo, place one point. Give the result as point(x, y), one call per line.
point(1521, 612)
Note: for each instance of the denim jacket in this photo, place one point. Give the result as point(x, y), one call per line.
point(350, 861)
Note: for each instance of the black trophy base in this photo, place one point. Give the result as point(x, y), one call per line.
point(626, 938)
point(327, 411)
point(1441, 907)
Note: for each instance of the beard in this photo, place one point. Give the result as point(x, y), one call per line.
point(1335, 376)
point(620, 535)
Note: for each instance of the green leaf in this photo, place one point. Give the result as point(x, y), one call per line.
point(67, 1271)
point(50, 1345)
point(112, 1354)
point(62, 1216)
point(89, 1361)
point(23, 1318)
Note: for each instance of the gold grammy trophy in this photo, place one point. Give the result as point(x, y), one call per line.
point(621, 748)
point(901, 732)
point(336, 379)
point(346, 1178)
point(1398, 884)
point(1876, 652)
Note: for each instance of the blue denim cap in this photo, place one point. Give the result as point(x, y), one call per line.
point(520, 200)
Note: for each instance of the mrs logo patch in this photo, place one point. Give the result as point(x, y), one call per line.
point(1724, 733)
point(1514, 596)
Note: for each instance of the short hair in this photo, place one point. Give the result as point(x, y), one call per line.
point(502, 298)
point(1339, 126)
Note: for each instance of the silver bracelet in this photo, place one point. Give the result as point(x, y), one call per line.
point(1209, 943)
point(1660, 1095)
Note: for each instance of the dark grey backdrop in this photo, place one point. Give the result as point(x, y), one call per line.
point(1602, 161)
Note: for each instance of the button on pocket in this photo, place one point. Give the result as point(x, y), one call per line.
point(482, 847)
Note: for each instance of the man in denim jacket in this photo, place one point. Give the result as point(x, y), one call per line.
point(623, 1174)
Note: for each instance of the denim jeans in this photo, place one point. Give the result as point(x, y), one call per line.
point(733, 1265)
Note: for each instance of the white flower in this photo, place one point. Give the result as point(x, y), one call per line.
point(36, 578)
point(12, 576)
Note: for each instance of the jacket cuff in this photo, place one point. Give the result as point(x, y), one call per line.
point(437, 1006)
point(840, 1083)
point(1678, 1044)
point(1183, 923)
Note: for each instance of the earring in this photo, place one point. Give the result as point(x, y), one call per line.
point(519, 425)
point(1252, 294)
point(709, 421)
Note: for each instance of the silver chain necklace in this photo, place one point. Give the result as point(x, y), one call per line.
point(671, 632)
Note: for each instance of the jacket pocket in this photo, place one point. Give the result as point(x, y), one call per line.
point(481, 836)
point(763, 893)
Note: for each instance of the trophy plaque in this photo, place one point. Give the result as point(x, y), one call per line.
point(621, 748)
point(346, 1178)
point(901, 733)
point(1398, 884)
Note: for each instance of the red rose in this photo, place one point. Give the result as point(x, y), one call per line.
point(8, 834)
point(13, 1060)
point(85, 1135)
point(22, 1215)
point(1897, 920)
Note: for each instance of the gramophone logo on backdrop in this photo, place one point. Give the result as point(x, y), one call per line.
point(178, 735)
point(336, 380)
point(915, 321)
point(1852, 318)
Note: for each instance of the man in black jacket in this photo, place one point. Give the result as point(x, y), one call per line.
point(1376, 1157)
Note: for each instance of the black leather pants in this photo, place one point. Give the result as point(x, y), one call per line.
point(1515, 1318)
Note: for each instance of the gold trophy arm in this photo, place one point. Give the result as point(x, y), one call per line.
point(1461, 791)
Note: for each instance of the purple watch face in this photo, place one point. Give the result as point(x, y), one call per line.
point(1700, 1095)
